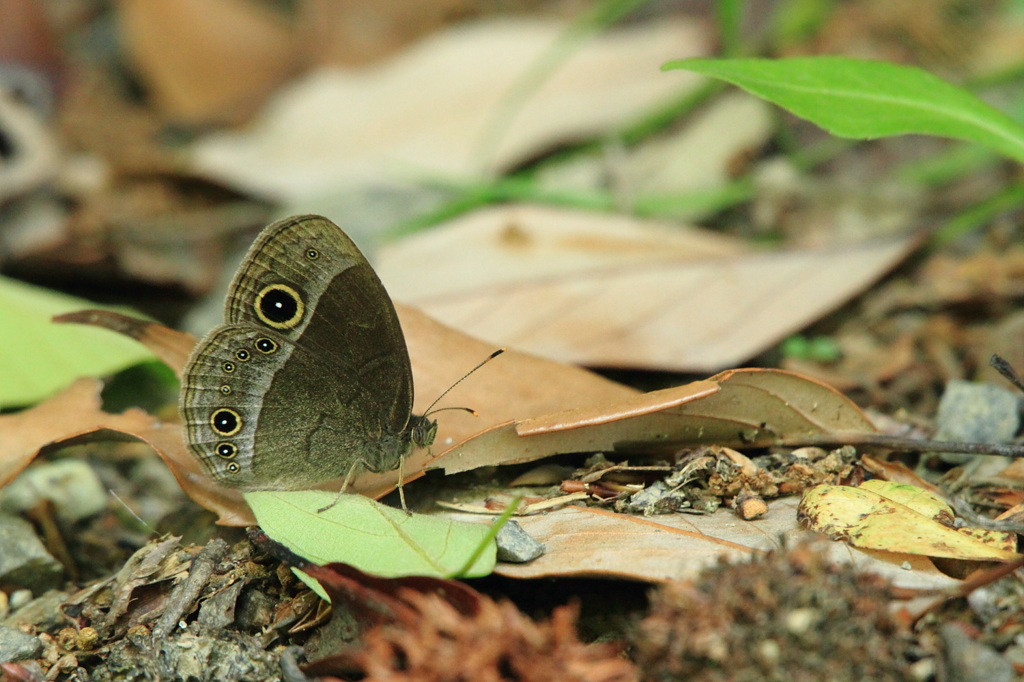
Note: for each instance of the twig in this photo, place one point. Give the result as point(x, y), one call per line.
point(1007, 370)
point(911, 444)
point(185, 594)
point(1014, 524)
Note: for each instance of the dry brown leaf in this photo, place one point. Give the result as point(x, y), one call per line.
point(430, 110)
point(897, 472)
point(575, 411)
point(609, 300)
point(171, 346)
point(739, 408)
point(77, 411)
point(207, 61)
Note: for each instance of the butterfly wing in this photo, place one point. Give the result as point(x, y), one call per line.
point(336, 389)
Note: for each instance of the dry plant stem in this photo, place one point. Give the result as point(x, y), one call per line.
point(186, 593)
point(984, 577)
point(1014, 524)
point(912, 445)
point(1007, 370)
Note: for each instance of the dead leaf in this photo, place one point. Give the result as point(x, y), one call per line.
point(537, 280)
point(207, 61)
point(737, 408)
point(172, 347)
point(431, 110)
point(897, 472)
point(505, 246)
point(442, 629)
point(582, 541)
point(868, 520)
point(76, 411)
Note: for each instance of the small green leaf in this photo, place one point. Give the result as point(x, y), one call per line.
point(867, 99)
point(370, 536)
point(38, 357)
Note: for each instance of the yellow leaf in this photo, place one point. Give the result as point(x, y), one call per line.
point(868, 520)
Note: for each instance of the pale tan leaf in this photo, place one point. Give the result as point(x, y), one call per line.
point(703, 154)
point(616, 302)
point(506, 246)
point(593, 542)
point(430, 110)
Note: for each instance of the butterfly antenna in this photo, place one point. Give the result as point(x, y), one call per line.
point(464, 377)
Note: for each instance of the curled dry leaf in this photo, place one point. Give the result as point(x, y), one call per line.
point(572, 410)
point(869, 520)
point(737, 408)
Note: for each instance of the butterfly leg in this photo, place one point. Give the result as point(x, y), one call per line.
point(344, 487)
point(401, 488)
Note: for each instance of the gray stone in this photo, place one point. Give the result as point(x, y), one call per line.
point(43, 612)
point(515, 545)
point(967, 660)
point(72, 485)
point(16, 645)
point(976, 413)
point(24, 561)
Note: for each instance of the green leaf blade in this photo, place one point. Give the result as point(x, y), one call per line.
point(863, 99)
point(370, 536)
point(39, 358)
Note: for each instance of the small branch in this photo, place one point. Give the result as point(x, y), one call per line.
point(912, 445)
point(1007, 370)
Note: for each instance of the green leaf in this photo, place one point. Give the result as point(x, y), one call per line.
point(868, 99)
point(371, 536)
point(38, 357)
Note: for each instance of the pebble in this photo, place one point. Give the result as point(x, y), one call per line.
point(72, 485)
point(16, 645)
point(976, 413)
point(970, 661)
point(24, 562)
point(515, 545)
point(43, 612)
